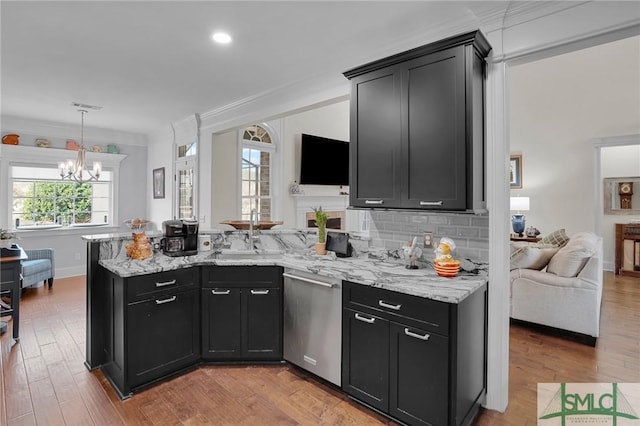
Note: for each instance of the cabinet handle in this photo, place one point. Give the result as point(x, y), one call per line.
point(171, 299)
point(259, 291)
point(430, 203)
point(220, 291)
point(365, 319)
point(386, 305)
point(377, 202)
point(172, 282)
point(416, 335)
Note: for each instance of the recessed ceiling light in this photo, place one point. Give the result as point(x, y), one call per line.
point(221, 37)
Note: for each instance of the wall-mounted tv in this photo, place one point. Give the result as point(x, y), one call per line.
point(324, 161)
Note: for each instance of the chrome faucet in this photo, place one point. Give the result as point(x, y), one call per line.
point(252, 216)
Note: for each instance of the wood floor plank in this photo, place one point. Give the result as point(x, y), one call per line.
point(96, 400)
point(26, 420)
point(45, 404)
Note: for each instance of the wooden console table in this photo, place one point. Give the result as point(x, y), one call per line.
point(627, 249)
point(515, 237)
point(10, 280)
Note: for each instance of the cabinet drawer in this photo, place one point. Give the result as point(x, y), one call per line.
point(241, 276)
point(431, 315)
point(144, 286)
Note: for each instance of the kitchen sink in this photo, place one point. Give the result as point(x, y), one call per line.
point(232, 254)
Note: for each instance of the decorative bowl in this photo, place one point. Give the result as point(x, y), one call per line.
point(447, 269)
point(244, 224)
point(136, 224)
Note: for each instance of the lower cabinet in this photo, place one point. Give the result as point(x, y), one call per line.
point(418, 360)
point(152, 327)
point(241, 313)
point(163, 335)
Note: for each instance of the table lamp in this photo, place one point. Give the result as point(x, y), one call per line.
point(518, 220)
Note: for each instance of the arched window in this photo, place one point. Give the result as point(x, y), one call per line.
point(257, 173)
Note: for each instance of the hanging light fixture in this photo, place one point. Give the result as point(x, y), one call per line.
point(77, 170)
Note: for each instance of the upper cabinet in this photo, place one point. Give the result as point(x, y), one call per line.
point(417, 128)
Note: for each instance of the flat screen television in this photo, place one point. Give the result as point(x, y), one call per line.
point(324, 161)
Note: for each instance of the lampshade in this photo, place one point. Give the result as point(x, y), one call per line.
point(519, 203)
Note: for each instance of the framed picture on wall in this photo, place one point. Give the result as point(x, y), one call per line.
point(515, 171)
point(158, 183)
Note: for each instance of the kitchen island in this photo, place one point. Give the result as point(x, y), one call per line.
point(126, 298)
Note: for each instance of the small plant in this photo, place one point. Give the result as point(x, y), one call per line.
point(321, 223)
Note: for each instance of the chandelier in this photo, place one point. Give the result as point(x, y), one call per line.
point(77, 170)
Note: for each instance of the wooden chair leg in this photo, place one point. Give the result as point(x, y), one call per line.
point(50, 280)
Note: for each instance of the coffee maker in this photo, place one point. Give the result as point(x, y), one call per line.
point(190, 230)
point(180, 238)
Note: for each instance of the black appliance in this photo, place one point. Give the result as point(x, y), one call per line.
point(180, 238)
point(190, 229)
point(338, 242)
point(324, 161)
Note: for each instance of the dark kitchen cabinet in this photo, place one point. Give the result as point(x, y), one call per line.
point(241, 313)
point(365, 366)
point(417, 128)
point(152, 326)
point(420, 361)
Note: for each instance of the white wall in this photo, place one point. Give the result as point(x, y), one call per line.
point(160, 209)
point(556, 106)
point(617, 161)
point(330, 121)
point(224, 178)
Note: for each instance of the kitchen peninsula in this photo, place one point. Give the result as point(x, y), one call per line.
point(424, 327)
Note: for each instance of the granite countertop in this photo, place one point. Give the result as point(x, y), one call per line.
point(369, 269)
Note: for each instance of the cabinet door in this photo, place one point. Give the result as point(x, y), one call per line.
point(419, 371)
point(376, 158)
point(435, 115)
point(221, 321)
point(163, 336)
point(365, 358)
point(262, 323)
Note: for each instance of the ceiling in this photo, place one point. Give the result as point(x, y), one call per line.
point(151, 63)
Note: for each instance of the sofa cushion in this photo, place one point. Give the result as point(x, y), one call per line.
point(532, 257)
point(570, 259)
point(559, 238)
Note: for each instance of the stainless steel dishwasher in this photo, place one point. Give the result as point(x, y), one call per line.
point(313, 323)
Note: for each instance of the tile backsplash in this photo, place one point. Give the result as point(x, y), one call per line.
point(470, 232)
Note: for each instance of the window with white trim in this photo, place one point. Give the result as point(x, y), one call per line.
point(39, 198)
point(256, 179)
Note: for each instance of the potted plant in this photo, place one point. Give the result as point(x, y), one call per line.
point(321, 223)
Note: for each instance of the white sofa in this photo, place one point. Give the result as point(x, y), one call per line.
point(558, 299)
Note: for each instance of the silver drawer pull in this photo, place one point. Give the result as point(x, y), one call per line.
point(220, 291)
point(386, 305)
point(377, 202)
point(430, 203)
point(171, 299)
point(172, 282)
point(417, 336)
point(365, 319)
point(259, 291)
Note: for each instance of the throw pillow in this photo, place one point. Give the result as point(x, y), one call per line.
point(532, 257)
point(570, 259)
point(558, 238)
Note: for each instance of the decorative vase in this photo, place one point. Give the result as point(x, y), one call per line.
point(518, 222)
point(321, 248)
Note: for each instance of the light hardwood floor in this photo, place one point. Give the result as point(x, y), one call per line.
point(43, 380)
